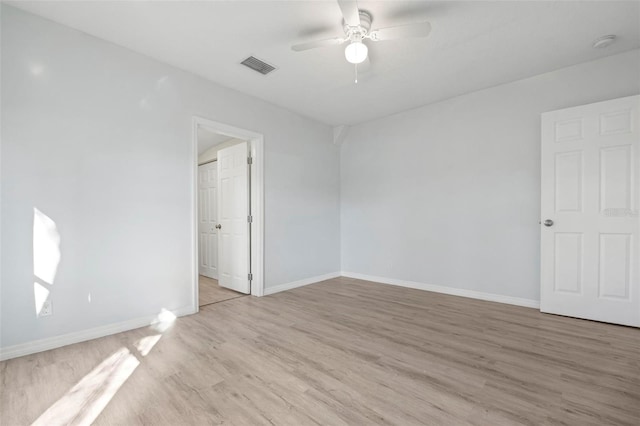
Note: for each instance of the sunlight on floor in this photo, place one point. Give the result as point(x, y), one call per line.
point(145, 344)
point(84, 402)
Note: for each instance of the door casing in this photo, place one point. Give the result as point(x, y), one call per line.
point(255, 142)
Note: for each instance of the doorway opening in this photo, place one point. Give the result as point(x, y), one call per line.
point(227, 201)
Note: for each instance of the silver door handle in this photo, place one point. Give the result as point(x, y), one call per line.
point(218, 226)
point(548, 222)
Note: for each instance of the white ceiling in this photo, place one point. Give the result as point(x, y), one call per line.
point(473, 45)
point(208, 139)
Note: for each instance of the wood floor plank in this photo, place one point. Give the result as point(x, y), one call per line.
point(210, 292)
point(343, 352)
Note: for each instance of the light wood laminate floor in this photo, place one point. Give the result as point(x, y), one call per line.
point(210, 292)
point(341, 352)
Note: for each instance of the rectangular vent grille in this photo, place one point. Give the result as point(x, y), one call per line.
point(258, 65)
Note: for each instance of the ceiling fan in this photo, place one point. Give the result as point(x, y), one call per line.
point(357, 28)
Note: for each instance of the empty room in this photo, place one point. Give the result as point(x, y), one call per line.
point(322, 212)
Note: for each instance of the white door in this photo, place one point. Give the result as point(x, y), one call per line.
point(590, 194)
point(207, 219)
point(233, 212)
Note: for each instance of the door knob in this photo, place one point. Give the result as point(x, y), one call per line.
point(548, 222)
point(218, 226)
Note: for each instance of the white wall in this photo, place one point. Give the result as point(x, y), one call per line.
point(449, 194)
point(98, 138)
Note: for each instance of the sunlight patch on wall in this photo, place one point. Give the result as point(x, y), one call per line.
point(163, 321)
point(40, 294)
point(46, 247)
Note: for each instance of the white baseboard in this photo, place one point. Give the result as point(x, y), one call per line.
point(83, 335)
point(106, 330)
point(300, 283)
point(529, 303)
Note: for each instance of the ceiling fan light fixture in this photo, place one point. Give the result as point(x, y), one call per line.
point(356, 52)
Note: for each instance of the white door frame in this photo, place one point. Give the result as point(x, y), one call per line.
point(256, 148)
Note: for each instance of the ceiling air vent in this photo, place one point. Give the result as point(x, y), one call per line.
point(258, 65)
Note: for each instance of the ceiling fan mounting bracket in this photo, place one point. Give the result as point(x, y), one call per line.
point(359, 32)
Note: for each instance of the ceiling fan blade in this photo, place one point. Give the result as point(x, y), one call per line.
point(318, 43)
point(421, 29)
point(350, 12)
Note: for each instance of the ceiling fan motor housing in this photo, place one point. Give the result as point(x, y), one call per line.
point(357, 33)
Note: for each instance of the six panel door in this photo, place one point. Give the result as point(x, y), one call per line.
point(590, 191)
point(233, 212)
point(207, 220)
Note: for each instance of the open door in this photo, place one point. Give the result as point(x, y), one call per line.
point(233, 213)
point(208, 219)
point(590, 212)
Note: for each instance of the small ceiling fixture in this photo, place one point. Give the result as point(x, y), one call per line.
point(604, 41)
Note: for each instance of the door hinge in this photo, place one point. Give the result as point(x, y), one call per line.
point(249, 160)
point(250, 219)
point(250, 277)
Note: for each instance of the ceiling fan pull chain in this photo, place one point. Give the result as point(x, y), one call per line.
point(356, 71)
